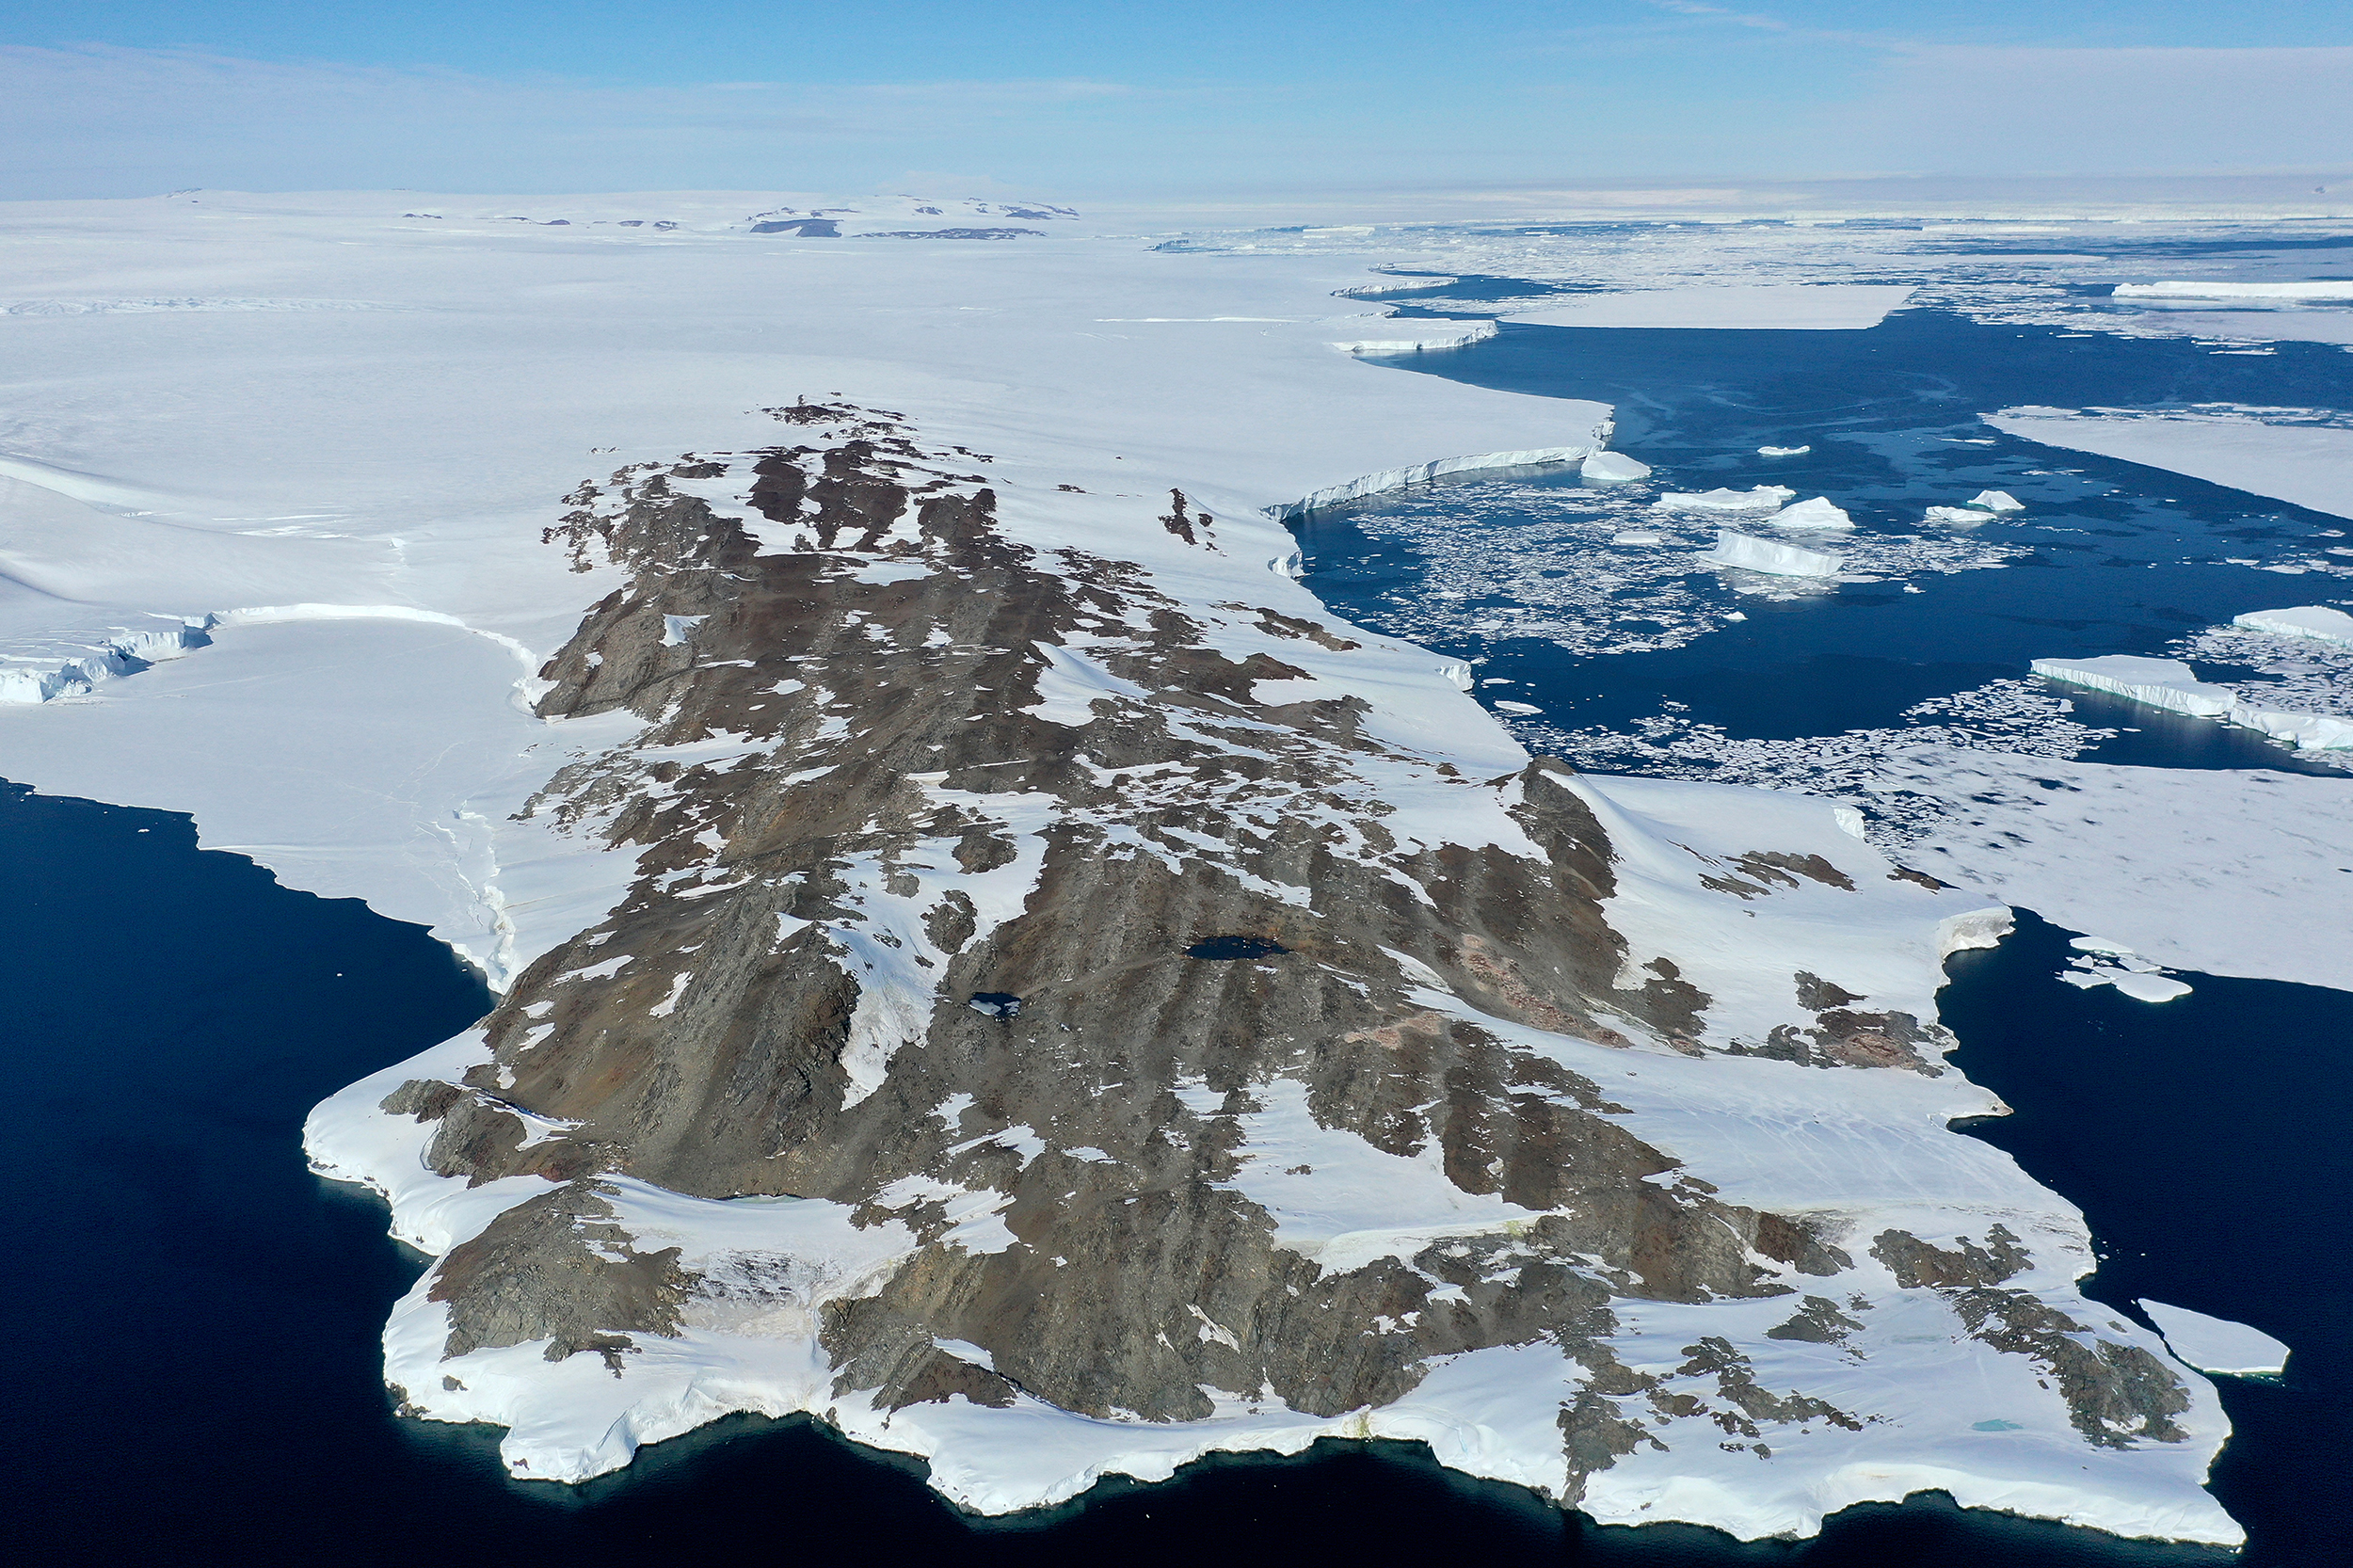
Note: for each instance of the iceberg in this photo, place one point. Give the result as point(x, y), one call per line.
point(2169, 684)
point(2304, 732)
point(1817, 513)
point(2159, 682)
point(1782, 451)
point(1613, 467)
point(1763, 498)
point(2316, 621)
point(2215, 1344)
point(1781, 560)
point(1961, 514)
point(1998, 500)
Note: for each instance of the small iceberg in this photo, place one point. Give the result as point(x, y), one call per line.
point(2145, 988)
point(1781, 560)
point(2215, 1344)
point(2315, 621)
point(2130, 973)
point(1817, 513)
point(1998, 500)
point(1962, 516)
point(1520, 708)
point(1612, 468)
point(2159, 682)
point(1782, 451)
point(1763, 498)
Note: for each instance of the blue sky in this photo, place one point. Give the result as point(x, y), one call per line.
point(1202, 98)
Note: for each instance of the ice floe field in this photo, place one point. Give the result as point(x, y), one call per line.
point(2025, 544)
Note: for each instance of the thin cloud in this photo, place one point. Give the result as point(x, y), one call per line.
point(1716, 13)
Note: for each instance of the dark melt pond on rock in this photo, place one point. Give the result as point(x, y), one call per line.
point(202, 1381)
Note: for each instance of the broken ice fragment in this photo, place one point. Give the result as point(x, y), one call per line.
point(1612, 468)
point(2215, 1344)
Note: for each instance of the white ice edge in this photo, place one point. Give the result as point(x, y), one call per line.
point(1423, 473)
point(2171, 684)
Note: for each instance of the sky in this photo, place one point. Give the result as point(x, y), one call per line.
point(1198, 99)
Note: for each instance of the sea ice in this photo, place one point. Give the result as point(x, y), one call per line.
point(1781, 560)
point(1813, 306)
point(2215, 1344)
point(1817, 513)
point(2306, 464)
point(1782, 451)
point(1613, 467)
point(2316, 621)
point(2326, 290)
point(1637, 535)
point(2159, 682)
point(1763, 498)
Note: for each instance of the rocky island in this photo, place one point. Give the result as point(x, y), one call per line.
point(1072, 1004)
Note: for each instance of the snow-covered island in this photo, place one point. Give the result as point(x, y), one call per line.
point(753, 629)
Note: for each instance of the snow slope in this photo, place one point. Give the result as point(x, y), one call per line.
point(222, 402)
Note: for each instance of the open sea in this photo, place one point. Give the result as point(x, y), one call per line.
point(198, 1375)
